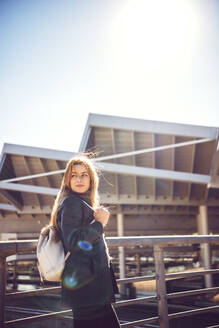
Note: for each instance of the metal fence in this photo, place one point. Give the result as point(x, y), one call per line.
point(157, 242)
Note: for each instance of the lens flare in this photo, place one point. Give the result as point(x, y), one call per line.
point(70, 282)
point(85, 245)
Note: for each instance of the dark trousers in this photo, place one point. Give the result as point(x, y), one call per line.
point(96, 317)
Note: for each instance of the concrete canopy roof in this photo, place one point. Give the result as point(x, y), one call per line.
point(30, 176)
point(147, 166)
point(148, 161)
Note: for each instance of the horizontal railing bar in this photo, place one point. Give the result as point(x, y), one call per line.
point(190, 274)
point(152, 240)
point(21, 257)
point(55, 290)
point(135, 301)
point(139, 322)
point(135, 279)
point(26, 311)
point(192, 292)
point(40, 291)
point(28, 320)
point(192, 312)
point(21, 246)
point(18, 322)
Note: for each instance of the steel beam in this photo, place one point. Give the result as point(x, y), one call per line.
point(129, 210)
point(39, 175)
point(150, 150)
point(28, 188)
point(192, 168)
point(7, 207)
point(180, 176)
point(156, 173)
point(120, 169)
point(150, 200)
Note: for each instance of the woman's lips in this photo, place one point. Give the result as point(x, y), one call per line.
point(80, 185)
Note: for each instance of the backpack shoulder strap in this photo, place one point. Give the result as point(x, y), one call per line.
point(79, 198)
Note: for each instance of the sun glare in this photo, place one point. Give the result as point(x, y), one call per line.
point(153, 44)
point(153, 33)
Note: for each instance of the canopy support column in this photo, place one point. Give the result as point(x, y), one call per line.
point(203, 229)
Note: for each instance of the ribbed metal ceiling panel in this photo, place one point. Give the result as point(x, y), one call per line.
point(107, 183)
point(21, 170)
point(203, 157)
point(52, 165)
point(103, 141)
point(145, 185)
point(164, 159)
point(124, 143)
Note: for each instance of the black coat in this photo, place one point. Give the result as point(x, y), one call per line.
point(87, 279)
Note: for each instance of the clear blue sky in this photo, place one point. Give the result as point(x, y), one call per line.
point(61, 59)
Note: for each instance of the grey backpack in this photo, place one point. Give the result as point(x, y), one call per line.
point(50, 254)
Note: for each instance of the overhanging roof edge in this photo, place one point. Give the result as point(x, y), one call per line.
point(86, 134)
point(35, 152)
point(2, 157)
point(141, 125)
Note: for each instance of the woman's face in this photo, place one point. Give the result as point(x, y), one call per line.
point(80, 179)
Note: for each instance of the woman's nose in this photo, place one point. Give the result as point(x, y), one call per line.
point(78, 178)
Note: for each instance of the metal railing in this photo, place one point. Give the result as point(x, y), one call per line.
point(157, 242)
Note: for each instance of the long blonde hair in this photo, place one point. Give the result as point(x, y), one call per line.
point(65, 189)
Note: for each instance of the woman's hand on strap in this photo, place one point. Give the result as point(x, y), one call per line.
point(102, 214)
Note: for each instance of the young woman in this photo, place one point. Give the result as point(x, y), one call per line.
point(88, 282)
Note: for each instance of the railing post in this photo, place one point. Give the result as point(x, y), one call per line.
point(161, 287)
point(120, 229)
point(2, 289)
point(15, 275)
point(203, 229)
